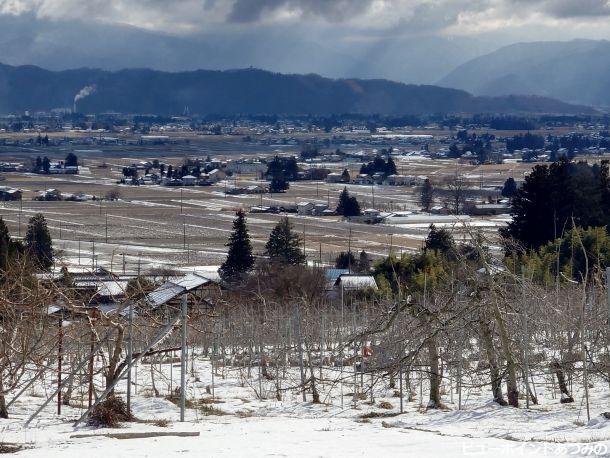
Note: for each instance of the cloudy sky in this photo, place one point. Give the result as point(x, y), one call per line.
point(409, 40)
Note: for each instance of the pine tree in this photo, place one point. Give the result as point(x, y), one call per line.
point(364, 262)
point(439, 240)
point(345, 178)
point(345, 260)
point(390, 168)
point(38, 242)
point(284, 245)
point(427, 195)
point(348, 205)
point(278, 184)
point(46, 164)
point(239, 259)
point(510, 187)
point(71, 160)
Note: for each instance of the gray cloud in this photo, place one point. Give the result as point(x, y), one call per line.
point(331, 10)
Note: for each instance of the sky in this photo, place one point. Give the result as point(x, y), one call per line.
point(407, 40)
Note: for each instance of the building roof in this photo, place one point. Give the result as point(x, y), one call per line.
point(175, 287)
point(349, 281)
point(333, 274)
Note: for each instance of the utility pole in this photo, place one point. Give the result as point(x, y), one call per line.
point(183, 358)
point(181, 200)
point(106, 227)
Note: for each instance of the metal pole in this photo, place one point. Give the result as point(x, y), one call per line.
point(525, 340)
point(59, 352)
point(70, 377)
point(183, 359)
point(129, 355)
point(91, 359)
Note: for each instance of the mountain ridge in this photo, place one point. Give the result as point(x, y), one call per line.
point(244, 91)
point(572, 71)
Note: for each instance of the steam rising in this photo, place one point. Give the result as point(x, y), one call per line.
point(85, 92)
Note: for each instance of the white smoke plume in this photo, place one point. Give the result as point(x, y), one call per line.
point(85, 92)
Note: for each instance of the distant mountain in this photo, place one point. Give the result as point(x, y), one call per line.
point(247, 91)
point(63, 44)
point(574, 71)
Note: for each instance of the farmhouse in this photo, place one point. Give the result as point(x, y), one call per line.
point(7, 194)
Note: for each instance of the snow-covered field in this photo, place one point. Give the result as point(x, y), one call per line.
point(235, 422)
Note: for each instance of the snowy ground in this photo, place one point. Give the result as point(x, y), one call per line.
point(242, 424)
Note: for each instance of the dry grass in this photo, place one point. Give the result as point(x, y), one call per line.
point(203, 401)
point(385, 405)
point(175, 399)
point(379, 415)
point(209, 410)
point(10, 448)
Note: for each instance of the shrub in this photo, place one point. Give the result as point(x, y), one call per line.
point(110, 413)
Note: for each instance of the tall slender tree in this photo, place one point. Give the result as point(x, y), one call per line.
point(427, 195)
point(284, 245)
point(239, 259)
point(38, 242)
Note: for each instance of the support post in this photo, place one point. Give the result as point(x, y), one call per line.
point(129, 356)
point(183, 358)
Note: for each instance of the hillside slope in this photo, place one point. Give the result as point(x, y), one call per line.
point(575, 72)
point(242, 91)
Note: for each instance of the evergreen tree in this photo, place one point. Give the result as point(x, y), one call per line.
point(284, 245)
point(71, 160)
point(348, 205)
point(38, 242)
point(5, 240)
point(345, 260)
point(553, 197)
point(46, 164)
point(427, 195)
point(239, 259)
point(439, 240)
point(510, 187)
point(278, 184)
point(390, 168)
point(345, 178)
point(364, 262)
